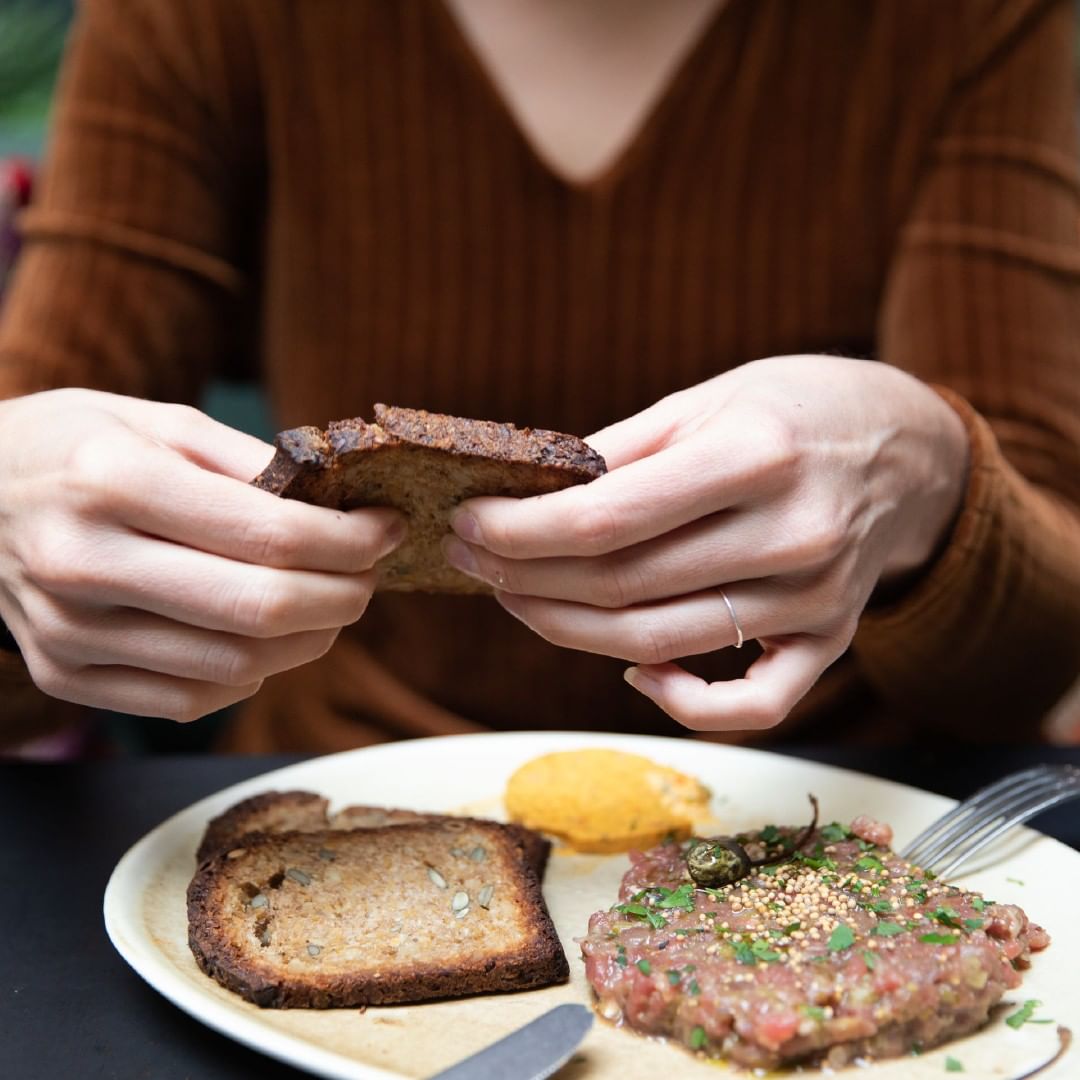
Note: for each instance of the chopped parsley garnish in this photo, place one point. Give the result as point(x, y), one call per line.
point(644, 967)
point(682, 897)
point(791, 927)
point(695, 990)
point(879, 907)
point(771, 834)
point(656, 921)
point(979, 904)
point(870, 960)
point(697, 1038)
point(865, 845)
point(869, 862)
point(841, 938)
point(1023, 1014)
point(952, 1065)
point(918, 891)
point(673, 976)
point(940, 939)
point(762, 951)
point(834, 832)
point(620, 956)
point(946, 916)
point(1014, 880)
point(887, 929)
point(815, 1012)
point(974, 924)
point(744, 954)
point(814, 862)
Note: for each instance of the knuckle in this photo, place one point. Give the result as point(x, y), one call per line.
point(233, 665)
point(820, 539)
point(777, 442)
point(187, 706)
point(49, 677)
point(185, 414)
point(270, 543)
point(324, 643)
point(612, 587)
point(763, 712)
point(53, 630)
point(596, 529)
point(261, 610)
point(653, 643)
point(56, 561)
point(93, 469)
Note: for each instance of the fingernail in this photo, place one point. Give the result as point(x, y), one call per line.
point(458, 555)
point(640, 681)
point(466, 526)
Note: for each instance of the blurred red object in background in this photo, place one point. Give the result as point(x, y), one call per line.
point(16, 183)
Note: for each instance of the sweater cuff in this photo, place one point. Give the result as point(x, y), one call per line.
point(913, 648)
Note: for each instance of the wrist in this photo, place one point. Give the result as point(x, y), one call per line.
point(937, 488)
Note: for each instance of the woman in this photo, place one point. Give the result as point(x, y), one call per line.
point(668, 224)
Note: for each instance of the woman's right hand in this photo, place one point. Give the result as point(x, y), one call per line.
point(139, 570)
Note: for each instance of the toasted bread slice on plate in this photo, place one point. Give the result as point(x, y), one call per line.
point(423, 464)
point(304, 811)
point(341, 918)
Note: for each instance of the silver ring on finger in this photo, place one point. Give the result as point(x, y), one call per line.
point(734, 618)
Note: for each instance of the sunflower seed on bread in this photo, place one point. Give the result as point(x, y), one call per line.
point(285, 927)
point(423, 464)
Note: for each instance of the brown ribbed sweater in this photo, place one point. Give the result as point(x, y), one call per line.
point(331, 193)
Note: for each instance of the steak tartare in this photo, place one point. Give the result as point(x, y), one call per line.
point(843, 952)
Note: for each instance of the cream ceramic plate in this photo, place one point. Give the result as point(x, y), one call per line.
point(146, 920)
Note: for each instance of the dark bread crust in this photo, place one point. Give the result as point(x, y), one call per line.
point(304, 811)
point(221, 941)
point(270, 811)
point(423, 464)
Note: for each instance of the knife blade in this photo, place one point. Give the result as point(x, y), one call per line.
point(533, 1052)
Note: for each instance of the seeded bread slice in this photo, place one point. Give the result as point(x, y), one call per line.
point(271, 811)
point(304, 811)
point(373, 916)
point(423, 464)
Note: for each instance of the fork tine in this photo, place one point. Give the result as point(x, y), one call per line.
point(969, 832)
point(979, 812)
point(974, 814)
point(1061, 796)
point(983, 797)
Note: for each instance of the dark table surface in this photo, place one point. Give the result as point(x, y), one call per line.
point(70, 1007)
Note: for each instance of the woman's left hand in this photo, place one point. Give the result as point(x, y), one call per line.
point(795, 484)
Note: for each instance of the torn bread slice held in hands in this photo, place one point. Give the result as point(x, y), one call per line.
point(423, 464)
point(304, 811)
point(343, 918)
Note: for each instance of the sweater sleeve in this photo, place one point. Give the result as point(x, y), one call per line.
point(137, 248)
point(983, 301)
point(134, 276)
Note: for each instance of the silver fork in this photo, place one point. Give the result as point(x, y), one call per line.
point(990, 812)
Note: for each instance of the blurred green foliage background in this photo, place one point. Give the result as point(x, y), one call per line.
point(31, 43)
